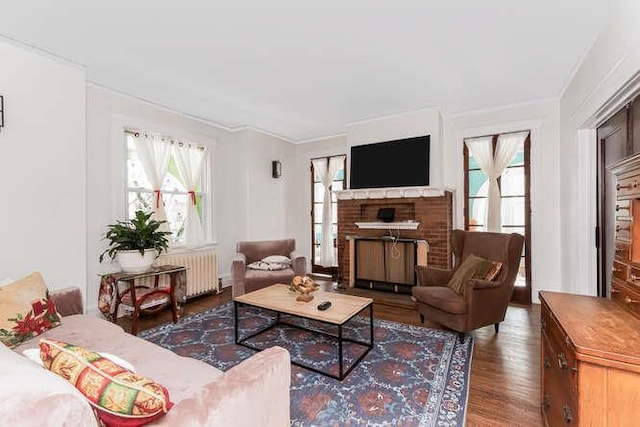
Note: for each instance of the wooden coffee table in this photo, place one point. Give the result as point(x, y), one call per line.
point(279, 299)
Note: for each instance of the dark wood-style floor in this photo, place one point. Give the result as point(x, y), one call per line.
point(505, 375)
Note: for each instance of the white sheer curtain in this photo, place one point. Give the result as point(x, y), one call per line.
point(154, 153)
point(482, 150)
point(326, 174)
point(190, 163)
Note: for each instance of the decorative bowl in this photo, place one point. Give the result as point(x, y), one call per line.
point(304, 286)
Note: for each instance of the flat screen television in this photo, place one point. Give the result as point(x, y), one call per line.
point(398, 163)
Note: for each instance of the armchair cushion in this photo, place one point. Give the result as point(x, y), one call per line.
point(281, 259)
point(442, 297)
point(472, 267)
point(494, 271)
point(268, 266)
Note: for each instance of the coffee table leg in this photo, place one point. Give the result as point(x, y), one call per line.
point(340, 351)
point(235, 321)
point(371, 324)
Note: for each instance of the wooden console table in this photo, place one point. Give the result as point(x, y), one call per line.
point(145, 296)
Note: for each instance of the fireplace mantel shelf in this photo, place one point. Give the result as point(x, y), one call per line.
point(406, 225)
point(391, 193)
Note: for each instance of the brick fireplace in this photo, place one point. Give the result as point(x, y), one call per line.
point(424, 214)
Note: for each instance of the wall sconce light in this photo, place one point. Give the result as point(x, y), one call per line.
point(1, 112)
point(276, 169)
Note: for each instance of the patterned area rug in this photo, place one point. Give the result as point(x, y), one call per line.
point(413, 376)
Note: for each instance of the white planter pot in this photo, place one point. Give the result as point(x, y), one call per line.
point(133, 262)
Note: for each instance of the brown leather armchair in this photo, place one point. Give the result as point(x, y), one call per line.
point(246, 280)
point(482, 302)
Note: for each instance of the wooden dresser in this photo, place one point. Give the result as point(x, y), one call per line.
point(590, 367)
point(625, 271)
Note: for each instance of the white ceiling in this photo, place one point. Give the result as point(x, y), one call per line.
point(305, 69)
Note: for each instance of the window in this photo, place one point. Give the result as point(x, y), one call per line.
point(326, 167)
point(167, 176)
point(513, 186)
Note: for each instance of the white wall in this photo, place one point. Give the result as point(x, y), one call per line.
point(42, 168)
point(248, 203)
point(612, 62)
point(267, 213)
point(541, 118)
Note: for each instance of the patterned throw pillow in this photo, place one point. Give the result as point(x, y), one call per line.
point(119, 397)
point(269, 266)
point(277, 258)
point(472, 267)
point(33, 354)
point(25, 310)
point(494, 270)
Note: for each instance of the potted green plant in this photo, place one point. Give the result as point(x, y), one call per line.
point(135, 243)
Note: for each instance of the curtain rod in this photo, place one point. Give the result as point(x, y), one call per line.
point(328, 157)
point(499, 134)
point(172, 140)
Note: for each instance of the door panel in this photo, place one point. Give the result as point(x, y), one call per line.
point(634, 125)
point(613, 145)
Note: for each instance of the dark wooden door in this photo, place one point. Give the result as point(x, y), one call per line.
point(634, 124)
point(613, 144)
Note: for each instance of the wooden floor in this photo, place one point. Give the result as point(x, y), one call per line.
point(505, 368)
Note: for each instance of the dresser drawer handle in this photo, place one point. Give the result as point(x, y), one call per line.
point(566, 414)
point(634, 184)
point(614, 291)
point(547, 364)
point(621, 228)
point(621, 249)
point(616, 270)
point(547, 401)
point(562, 361)
point(543, 324)
point(621, 208)
point(628, 300)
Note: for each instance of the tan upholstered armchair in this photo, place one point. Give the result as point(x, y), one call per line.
point(481, 302)
point(247, 280)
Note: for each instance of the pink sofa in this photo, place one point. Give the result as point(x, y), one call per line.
point(253, 393)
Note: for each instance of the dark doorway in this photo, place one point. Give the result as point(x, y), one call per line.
point(615, 142)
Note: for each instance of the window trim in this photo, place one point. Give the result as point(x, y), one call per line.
point(520, 294)
point(316, 268)
point(205, 193)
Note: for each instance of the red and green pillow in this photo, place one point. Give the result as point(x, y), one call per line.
point(119, 397)
point(26, 310)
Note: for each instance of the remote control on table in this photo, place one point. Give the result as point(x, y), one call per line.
point(324, 305)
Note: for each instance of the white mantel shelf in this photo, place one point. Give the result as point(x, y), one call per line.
point(413, 225)
point(392, 193)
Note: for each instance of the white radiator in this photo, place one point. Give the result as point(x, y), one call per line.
point(202, 271)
